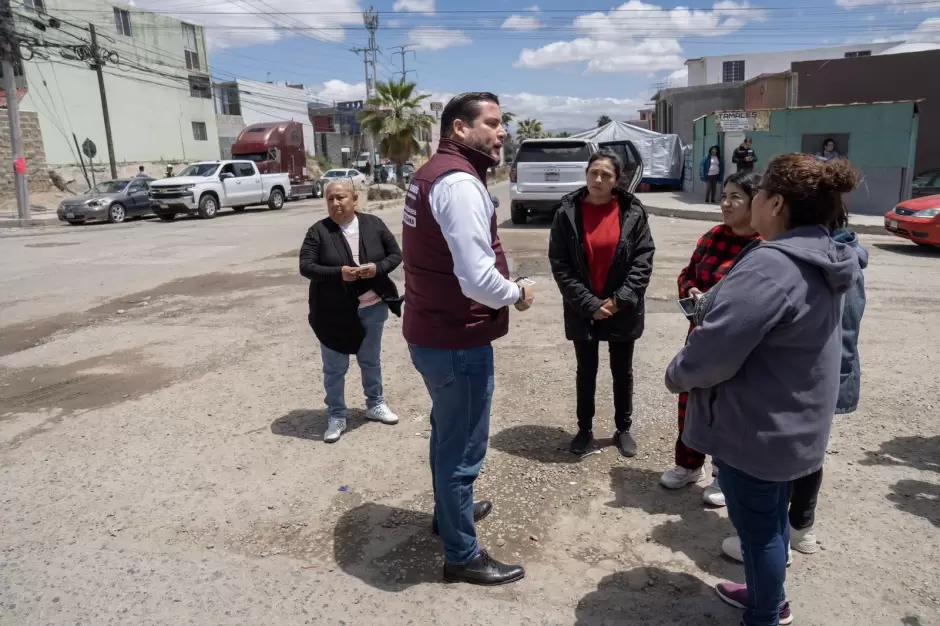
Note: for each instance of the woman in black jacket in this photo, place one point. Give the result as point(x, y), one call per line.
point(601, 253)
point(348, 258)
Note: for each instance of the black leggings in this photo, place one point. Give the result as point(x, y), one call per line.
point(804, 492)
point(711, 188)
point(621, 369)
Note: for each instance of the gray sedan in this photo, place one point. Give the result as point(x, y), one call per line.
point(112, 200)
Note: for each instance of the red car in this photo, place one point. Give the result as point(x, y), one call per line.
point(917, 219)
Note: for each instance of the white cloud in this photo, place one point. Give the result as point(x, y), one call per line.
point(679, 78)
point(437, 37)
point(902, 6)
point(638, 37)
point(231, 25)
point(414, 6)
point(927, 31)
point(523, 22)
point(555, 112)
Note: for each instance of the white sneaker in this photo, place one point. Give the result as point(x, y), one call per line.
point(732, 547)
point(381, 413)
point(713, 495)
point(679, 477)
point(334, 429)
point(804, 540)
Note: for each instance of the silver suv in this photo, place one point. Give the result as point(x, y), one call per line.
point(546, 170)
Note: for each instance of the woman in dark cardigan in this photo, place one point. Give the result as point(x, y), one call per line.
point(348, 258)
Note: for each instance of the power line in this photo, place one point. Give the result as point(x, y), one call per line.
point(403, 52)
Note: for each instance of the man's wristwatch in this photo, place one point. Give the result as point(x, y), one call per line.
point(521, 294)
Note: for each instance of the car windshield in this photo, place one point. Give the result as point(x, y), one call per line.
point(553, 152)
point(200, 169)
point(336, 174)
point(923, 178)
point(111, 186)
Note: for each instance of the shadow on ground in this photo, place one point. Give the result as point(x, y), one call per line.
point(543, 444)
point(311, 423)
point(699, 531)
point(921, 453)
point(917, 498)
point(652, 596)
point(386, 547)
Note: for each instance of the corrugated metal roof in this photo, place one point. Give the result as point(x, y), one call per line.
point(821, 106)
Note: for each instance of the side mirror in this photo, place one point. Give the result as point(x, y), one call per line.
point(226, 175)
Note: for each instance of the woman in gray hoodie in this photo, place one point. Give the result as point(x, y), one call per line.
point(762, 366)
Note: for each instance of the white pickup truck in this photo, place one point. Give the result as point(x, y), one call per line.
point(204, 188)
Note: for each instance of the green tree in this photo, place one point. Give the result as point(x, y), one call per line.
point(395, 116)
point(563, 133)
point(507, 118)
point(529, 129)
point(604, 120)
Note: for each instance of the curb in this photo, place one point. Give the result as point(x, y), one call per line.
point(715, 217)
point(16, 222)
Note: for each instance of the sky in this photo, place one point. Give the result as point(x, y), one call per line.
point(564, 63)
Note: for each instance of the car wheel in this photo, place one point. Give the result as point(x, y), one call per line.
point(238, 209)
point(519, 215)
point(116, 213)
point(318, 189)
point(208, 207)
point(167, 217)
point(276, 200)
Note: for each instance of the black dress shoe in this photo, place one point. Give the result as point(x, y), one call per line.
point(581, 441)
point(625, 443)
point(483, 570)
point(480, 510)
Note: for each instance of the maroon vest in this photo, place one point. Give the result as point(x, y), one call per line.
point(437, 314)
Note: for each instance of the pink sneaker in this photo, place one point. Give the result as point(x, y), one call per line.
point(736, 595)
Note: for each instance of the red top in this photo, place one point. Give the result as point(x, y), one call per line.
point(601, 223)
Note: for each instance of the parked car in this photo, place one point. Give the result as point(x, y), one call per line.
point(358, 178)
point(111, 200)
point(546, 170)
point(408, 170)
point(926, 184)
point(204, 188)
point(917, 219)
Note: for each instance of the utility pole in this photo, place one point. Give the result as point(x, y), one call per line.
point(98, 63)
point(371, 20)
point(9, 57)
point(404, 50)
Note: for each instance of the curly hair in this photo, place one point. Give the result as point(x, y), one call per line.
point(812, 189)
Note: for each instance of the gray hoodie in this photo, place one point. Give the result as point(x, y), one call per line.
point(762, 370)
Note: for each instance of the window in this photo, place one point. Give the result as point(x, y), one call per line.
point(860, 53)
point(244, 169)
point(35, 5)
point(122, 21)
point(137, 187)
point(199, 87)
point(199, 131)
point(732, 71)
point(228, 100)
point(190, 47)
point(553, 152)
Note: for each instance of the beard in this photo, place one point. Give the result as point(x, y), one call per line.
point(480, 145)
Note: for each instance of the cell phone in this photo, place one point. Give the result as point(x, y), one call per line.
point(524, 281)
point(687, 306)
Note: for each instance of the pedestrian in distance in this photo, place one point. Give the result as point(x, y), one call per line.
point(348, 258)
point(829, 151)
point(457, 294)
point(601, 253)
point(804, 491)
point(713, 256)
point(712, 172)
point(744, 156)
point(141, 173)
point(762, 367)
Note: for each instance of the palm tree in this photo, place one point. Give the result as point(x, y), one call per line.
point(563, 133)
point(604, 120)
point(529, 129)
point(395, 115)
point(507, 118)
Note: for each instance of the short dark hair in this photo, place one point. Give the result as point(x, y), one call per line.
point(812, 189)
point(747, 139)
point(748, 180)
point(465, 107)
point(141, 168)
point(610, 155)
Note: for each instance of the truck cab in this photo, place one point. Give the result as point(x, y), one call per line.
point(277, 148)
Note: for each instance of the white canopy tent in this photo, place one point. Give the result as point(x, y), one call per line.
point(662, 154)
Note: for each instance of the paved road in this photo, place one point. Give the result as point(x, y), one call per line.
point(161, 461)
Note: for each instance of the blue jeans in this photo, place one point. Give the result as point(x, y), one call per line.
point(758, 509)
point(461, 386)
point(369, 357)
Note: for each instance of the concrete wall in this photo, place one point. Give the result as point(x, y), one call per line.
point(151, 114)
point(881, 137)
point(766, 93)
point(265, 102)
point(690, 103)
point(38, 176)
point(708, 70)
point(229, 128)
point(880, 79)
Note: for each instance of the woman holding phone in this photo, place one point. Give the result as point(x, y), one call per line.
point(601, 253)
point(714, 254)
point(348, 258)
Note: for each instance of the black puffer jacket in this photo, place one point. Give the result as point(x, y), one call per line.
point(627, 280)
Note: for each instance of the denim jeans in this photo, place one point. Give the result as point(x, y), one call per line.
point(460, 383)
point(369, 357)
point(758, 510)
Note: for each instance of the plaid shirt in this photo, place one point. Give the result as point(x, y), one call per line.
point(714, 254)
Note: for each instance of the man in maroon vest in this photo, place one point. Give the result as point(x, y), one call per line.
point(457, 293)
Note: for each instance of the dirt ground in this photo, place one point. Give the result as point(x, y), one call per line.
point(161, 459)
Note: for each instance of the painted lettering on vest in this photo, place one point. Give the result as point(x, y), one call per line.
point(410, 217)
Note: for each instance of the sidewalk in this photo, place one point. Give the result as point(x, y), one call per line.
point(685, 205)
